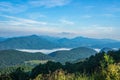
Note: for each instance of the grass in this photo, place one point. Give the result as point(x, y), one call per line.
point(35, 62)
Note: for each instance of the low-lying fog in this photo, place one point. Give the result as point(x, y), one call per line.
point(46, 51)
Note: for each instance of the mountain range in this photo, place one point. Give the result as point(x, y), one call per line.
point(48, 42)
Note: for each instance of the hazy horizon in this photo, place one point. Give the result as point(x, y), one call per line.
point(72, 37)
point(62, 18)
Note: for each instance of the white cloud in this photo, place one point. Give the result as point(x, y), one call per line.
point(94, 31)
point(12, 8)
point(97, 31)
point(49, 3)
point(21, 26)
point(113, 8)
point(12, 30)
point(64, 21)
point(21, 21)
point(35, 15)
point(108, 15)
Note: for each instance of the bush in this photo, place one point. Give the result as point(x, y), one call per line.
point(109, 70)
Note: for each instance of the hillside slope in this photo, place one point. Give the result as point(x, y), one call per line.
point(73, 54)
point(14, 57)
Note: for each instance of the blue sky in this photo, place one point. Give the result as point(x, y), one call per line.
point(66, 18)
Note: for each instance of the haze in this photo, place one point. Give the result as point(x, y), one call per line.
point(66, 18)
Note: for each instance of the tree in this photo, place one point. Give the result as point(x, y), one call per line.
point(19, 74)
point(109, 70)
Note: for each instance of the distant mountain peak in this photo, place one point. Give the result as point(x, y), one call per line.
point(34, 35)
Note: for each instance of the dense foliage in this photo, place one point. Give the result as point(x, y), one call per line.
point(97, 67)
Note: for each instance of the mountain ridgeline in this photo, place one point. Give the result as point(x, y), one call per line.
point(47, 42)
point(28, 42)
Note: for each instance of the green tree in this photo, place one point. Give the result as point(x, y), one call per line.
point(19, 74)
point(109, 70)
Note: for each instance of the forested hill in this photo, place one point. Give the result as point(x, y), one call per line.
point(101, 66)
point(73, 54)
point(14, 57)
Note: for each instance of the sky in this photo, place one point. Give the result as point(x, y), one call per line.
point(63, 18)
